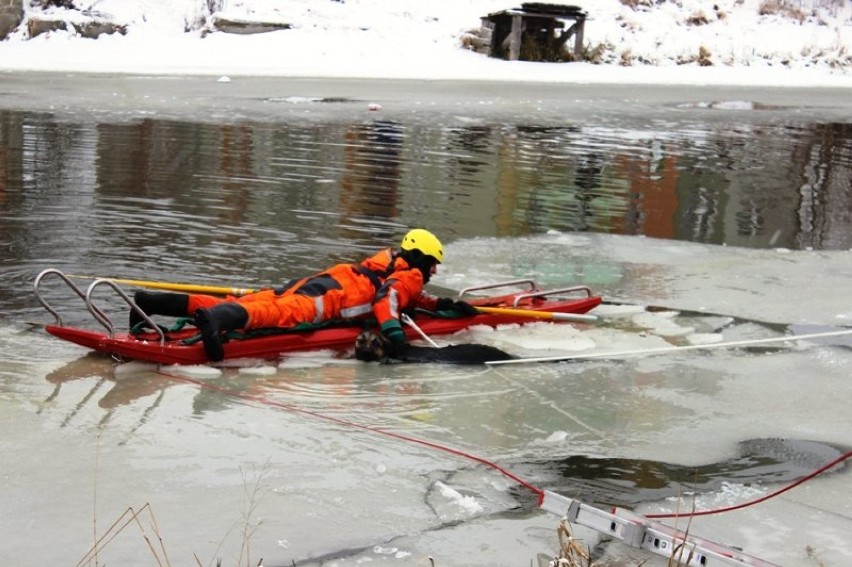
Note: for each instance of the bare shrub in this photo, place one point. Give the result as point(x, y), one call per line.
point(697, 19)
point(531, 50)
point(704, 57)
point(597, 54)
point(69, 4)
point(783, 8)
point(639, 4)
point(534, 50)
point(473, 40)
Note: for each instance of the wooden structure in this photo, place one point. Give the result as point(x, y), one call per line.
point(535, 32)
point(11, 16)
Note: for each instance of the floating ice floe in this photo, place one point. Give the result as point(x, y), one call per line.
point(704, 338)
point(265, 370)
point(192, 370)
point(661, 323)
point(617, 310)
point(467, 503)
point(134, 367)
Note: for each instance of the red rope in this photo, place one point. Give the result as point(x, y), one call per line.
point(399, 436)
point(764, 498)
point(470, 456)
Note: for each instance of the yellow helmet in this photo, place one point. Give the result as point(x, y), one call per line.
point(425, 241)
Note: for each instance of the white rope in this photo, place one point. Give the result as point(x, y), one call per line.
point(672, 348)
point(545, 401)
point(409, 321)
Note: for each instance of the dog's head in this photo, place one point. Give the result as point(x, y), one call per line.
point(370, 346)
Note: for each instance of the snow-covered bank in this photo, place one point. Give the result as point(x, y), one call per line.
point(747, 43)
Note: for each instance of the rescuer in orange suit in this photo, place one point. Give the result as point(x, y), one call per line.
point(383, 286)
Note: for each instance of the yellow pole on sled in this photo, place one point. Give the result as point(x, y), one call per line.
point(222, 290)
point(186, 288)
point(552, 315)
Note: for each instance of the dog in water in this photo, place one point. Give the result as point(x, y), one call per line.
point(371, 346)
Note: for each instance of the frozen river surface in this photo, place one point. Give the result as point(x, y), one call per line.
point(293, 462)
point(85, 437)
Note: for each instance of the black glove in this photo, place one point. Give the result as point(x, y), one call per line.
point(460, 307)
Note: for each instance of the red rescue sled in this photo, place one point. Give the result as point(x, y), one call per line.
point(173, 348)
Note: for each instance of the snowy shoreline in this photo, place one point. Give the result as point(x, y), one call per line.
point(378, 39)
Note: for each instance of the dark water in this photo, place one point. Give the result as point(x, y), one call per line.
point(626, 483)
point(255, 198)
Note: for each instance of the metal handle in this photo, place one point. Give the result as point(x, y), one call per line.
point(105, 321)
point(99, 315)
point(547, 292)
point(531, 283)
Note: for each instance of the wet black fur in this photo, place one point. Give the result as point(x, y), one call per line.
point(370, 346)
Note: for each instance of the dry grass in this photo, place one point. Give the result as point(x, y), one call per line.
point(130, 516)
point(704, 58)
point(533, 50)
point(571, 553)
point(783, 8)
point(475, 40)
point(697, 19)
point(813, 556)
point(253, 492)
point(598, 53)
point(676, 558)
point(638, 4)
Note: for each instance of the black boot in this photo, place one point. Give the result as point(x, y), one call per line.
point(158, 303)
point(214, 321)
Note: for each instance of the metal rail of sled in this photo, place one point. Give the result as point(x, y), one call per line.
point(96, 312)
point(155, 346)
point(657, 538)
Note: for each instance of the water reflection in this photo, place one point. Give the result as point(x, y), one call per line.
point(259, 201)
point(102, 385)
point(371, 178)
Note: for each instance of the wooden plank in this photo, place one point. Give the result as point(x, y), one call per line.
point(578, 39)
point(515, 38)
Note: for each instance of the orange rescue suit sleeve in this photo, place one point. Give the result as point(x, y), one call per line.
point(402, 290)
